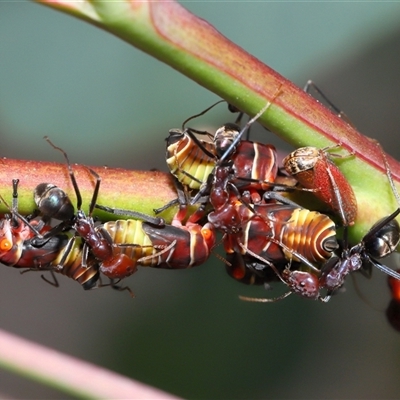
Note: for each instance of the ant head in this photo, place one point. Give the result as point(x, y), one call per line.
point(231, 146)
point(224, 137)
point(238, 135)
point(302, 283)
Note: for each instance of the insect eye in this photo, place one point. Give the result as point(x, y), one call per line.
point(5, 244)
point(207, 233)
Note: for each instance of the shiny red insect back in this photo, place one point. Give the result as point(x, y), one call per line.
point(314, 169)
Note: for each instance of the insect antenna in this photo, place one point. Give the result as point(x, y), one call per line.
point(71, 173)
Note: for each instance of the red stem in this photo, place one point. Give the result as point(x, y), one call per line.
point(132, 190)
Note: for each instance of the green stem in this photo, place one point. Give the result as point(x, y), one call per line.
point(142, 190)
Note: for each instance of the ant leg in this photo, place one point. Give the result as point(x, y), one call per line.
point(159, 253)
point(14, 206)
point(394, 240)
point(55, 281)
point(337, 111)
point(249, 123)
point(67, 251)
point(191, 133)
point(71, 173)
point(95, 195)
point(270, 195)
point(15, 214)
point(135, 214)
point(389, 174)
point(295, 254)
point(115, 286)
point(170, 204)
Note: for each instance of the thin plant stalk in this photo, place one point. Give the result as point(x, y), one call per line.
point(69, 374)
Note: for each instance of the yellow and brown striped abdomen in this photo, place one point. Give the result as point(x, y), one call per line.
point(136, 243)
point(72, 266)
point(310, 234)
point(187, 161)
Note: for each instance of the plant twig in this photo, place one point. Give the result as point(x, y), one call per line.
point(131, 190)
point(69, 374)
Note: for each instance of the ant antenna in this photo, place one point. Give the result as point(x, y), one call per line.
point(263, 260)
point(201, 113)
point(249, 123)
point(71, 173)
point(233, 145)
point(135, 214)
point(265, 299)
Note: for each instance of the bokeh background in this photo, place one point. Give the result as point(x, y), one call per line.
point(186, 332)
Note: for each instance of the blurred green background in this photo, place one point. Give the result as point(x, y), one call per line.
point(186, 332)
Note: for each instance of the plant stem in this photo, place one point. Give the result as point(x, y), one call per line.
point(71, 375)
point(131, 190)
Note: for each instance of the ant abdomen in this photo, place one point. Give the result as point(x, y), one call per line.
point(385, 241)
point(53, 202)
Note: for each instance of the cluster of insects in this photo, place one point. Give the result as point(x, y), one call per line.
point(265, 235)
point(240, 192)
